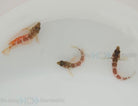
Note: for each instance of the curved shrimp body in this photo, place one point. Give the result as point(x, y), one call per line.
point(32, 32)
point(68, 65)
point(115, 58)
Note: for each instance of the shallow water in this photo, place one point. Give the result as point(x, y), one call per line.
point(32, 67)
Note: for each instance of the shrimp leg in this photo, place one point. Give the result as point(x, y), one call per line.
point(69, 71)
point(27, 42)
point(37, 39)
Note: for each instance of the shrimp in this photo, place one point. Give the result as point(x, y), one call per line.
point(69, 65)
point(26, 38)
point(115, 58)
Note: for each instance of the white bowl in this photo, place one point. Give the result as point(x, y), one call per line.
point(30, 75)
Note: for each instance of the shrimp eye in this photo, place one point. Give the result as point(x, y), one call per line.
point(117, 52)
point(37, 28)
point(61, 63)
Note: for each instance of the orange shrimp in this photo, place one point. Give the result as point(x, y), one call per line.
point(69, 65)
point(24, 39)
point(115, 58)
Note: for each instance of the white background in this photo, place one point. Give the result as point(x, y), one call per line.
point(93, 82)
point(6, 5)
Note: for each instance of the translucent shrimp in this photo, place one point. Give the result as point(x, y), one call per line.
point(69, 65)
point(115, 58)
point(31, 32)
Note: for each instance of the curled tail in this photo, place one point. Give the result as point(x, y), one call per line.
point(6, 51)
point(115, 58)
point(81, 59)
point(82, 53)
point(119, 76)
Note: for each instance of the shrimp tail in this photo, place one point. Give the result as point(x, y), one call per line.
point(70, 73)
point(6, 51)
point(119, 76)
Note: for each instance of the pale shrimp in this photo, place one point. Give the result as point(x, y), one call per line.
point(69, 65)
point(26, 38)
point(115, 58)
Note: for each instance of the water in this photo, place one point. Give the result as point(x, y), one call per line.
point(33, 69)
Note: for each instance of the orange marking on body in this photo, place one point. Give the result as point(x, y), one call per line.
point(82, 58)
point(114, 64)
point(78, 63)
point(118, 76)
point(115, 71)
point(115, 58)
point(67, 64)
point(32, 32)
point(125, 78)
point(18, 40)
point(72, 65)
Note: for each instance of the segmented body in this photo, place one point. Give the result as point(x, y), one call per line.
point(115, 58)
point(19, 40)
point(24, 39)
point(68, 65)
point(27, 37)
